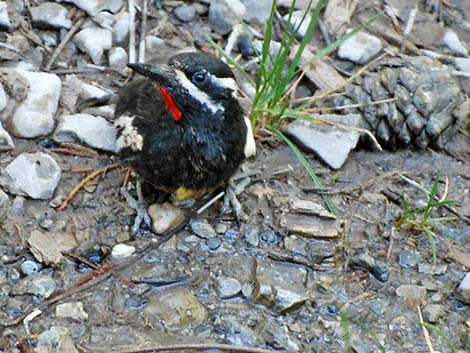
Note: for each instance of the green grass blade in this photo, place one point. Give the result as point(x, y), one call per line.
point(439, 332)
point(306, 165)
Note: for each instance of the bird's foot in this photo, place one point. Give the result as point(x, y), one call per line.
point(230, 199)
point(140, 207)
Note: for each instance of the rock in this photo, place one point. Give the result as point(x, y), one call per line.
point(360, 48)
point(452, 41)
point(280, 286)
point(39, 93)
point(463, 64)
point(71, 310)
point(47, 247)
point(412, 293)
point(228, 287)
point(4, 204)
point(29, 267)
point(368, 263)
point(165, 217)
point(37, 284)
point(6, 142)
point(93, 7)
point(32, 174)
point(185, 13)
point(75, 89)
point(202, 228)
point(297, 23)
point(121, 251)
point(176, 306)
point(433, 312)
point(50, 15)
point(118, 57)
point(94, 41)
point(409, 258)
point(310, 207)
point(463, 290)
point(332, 144)
point(252, 236)
point(154, 43)
point(213, 243)
point(224, 14)
point(432, 269)
point(311, 226)
point(4, 19)
point(93, 131)
point(121, 27)
point(3, 98)
point(240, 335)
point(257, 10)
point(55, 340)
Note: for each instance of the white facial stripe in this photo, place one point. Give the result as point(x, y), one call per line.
point(250, 145)
point(129, 137)
point(195, 92)
point(226, 83)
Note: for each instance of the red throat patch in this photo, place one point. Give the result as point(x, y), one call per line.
point(170, 104)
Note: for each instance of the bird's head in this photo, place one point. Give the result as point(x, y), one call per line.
point(193, 81)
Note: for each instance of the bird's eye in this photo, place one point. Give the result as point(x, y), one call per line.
point(199, 77)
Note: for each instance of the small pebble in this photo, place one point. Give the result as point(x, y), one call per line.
point(360, 48)
point(185, 13)
point(220, 228)
point(29, 267)
point(121, 251)
point(214, 243)
point(228, 287)
point(202, 228)
point(118, 57)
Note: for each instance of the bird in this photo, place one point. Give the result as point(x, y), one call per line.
point(181, 128)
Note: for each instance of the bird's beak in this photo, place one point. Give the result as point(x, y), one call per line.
point(163, 74)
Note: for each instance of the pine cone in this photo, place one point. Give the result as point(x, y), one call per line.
point(429, 108)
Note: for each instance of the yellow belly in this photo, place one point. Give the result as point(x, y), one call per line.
point(182, 193)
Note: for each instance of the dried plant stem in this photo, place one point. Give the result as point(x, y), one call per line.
point(348, 106)
point(143, 30)
point(132, 57)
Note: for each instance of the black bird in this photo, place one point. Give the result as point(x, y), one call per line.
point(181, 126)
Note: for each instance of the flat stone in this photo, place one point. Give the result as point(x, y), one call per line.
point(3, 98)
point(202, 228)
point(257, 10)
point(39, 95)
point(308, 226)
point(37, 284)
point(4, 19)
point(71, 310)
point(121, 27)
point(55, 340)
point(30, 267)
point(360, 48)
point(47, 247)
point(409, 258)
point(121, 251)
point(94, 41)
point(96, 6)
point(412, 293)
point(75, 89)
point(224, 14)
point(5, 204)
point(332, 144)
point(433, 312)
point(185, 13)
point(176, 306)
point(50, 14)
point(165, 217)
point(32, 174)
point(228, 287)
point(118, 57)
point(280, 286)
point(432, 269)
point(463, 290)
point(452, 41)
point(6, 142)
point(93, 131)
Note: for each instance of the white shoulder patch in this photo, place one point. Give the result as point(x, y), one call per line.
point(250, 145)
point(128, 137)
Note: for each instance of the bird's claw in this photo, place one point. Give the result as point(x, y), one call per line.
point(141, 209)
point(230, 199)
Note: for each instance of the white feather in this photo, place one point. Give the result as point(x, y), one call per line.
point(250, 145)
point(129, 137)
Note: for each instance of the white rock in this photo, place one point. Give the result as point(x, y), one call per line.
point(34, 116)
point(71, 310)
point(92, 7)
point(463, 290)
point(153, 42)
point(452, 41)
point(224, 14)
point(121, 27)
point(32, 174)
point(121, 251)
point(463, 64)
point(360, 48)
point(94, 41)
point(3, 98)
point(330, 143)
point(257, 10)
point(51, 14)
point(118, 57)
point(296, 20)
point(4, 19)
point(91, 130)
point(57, 339)
point(74, 88)
point(6, 142)
point(88, 91)
point(105, 111)
point(105, 20)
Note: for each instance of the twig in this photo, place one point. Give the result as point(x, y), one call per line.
point(349, 106)
point(425, 332)
point(83, 183)
point(390, 244)
point(131, 6)
point(408, 28)
point(62, 44)
point(76, 153)
point(143, 30)
point(188, 346)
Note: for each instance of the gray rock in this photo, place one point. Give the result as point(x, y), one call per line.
point(452, 41)
point(37, 284)
point(121, 27)
point(93, 7)
point(202, 228)
point(185, 12)
point(360, 48)
point(29, 267)
point(368, 263)
point(213, 243)
point(71, 310)
point(165, 217)
point(6, 142)
point(94, 41)
point(228, 287)
point(51, 14)
point(241, 335)
point(432, 269)
point(105, 20)
point(279, 286)
point(463, 290)
point(5, 204)
point(463, 64)
point(332, 144)
point(412, 293)
point(257, 10)
point(4, 19)
point(296, 21)
point(74, 88)
point(153, 43)
point(433, 312)
point(32, 174)
point(252, 236)
point(224, 14)
point(3, 98)
point(118, 57)
point(39, 94)
point(91, 130)
point(409, 258)
point(55, 340)
point(47, 247)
